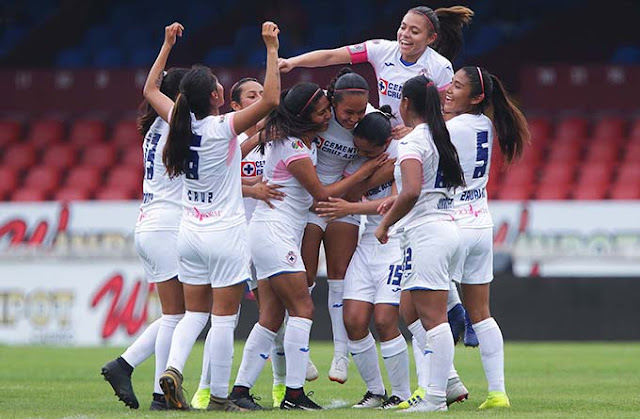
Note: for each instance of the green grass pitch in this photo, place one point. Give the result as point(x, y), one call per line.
point(543, 380)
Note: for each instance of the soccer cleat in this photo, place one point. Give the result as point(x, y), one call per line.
point(120, 381)
point(456, 317)
point(425, 406)
point(277, 394)
point(371, 401)
point(456, 391)
point(297, 400)
point(470, 338)
point(171, 385)
point(495, 399)
point(415, 398)
point(223, 404)
point(241, 397)
point(391, 403)
point(200, 399)
point(339, 371)
point(158, 402)
point(312, 371)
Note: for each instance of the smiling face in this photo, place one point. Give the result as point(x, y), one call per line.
point(414, 36)
point(458, 98)
point(250, 92)
point(351, 109)
point(321, 113)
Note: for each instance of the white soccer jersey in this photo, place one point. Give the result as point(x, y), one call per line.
point(212, 193)
point(161, 197)
point(473, 137)
point(252, 165)
point(391, 72)
point(335, 151)
point(382, 191)
point(293, 209)
point(435, 202)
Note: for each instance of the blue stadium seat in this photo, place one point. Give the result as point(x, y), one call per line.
point(108, 58)
point(626, 54)
point(142, 57)
point(72, 58)
point(221, 56)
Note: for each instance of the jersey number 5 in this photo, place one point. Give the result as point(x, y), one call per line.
point(151, 144)
point(482, 154)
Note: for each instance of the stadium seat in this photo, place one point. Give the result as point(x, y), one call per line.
point(87, 131)
point(604, 149)
point(125, 133)
point(10, 132)
point(100, 155)
point(518, 175)
point(634, 132)
point(84, 177)
point(115, 193)
point(29, 195)
point(132, 156)
point(625, 191)
point(572, 127)
point(557, 173)
point(609, 127)
point(629, 173)
point(552, 191)
point(72, 194)
point(9, 182)
point(61, 156)
point(46, 132)
point(590, 191)
point(125, 177)
point(563, 152)
point(540, 129)
point(515, 193)
point(19, 156)
point(43, 178)
point(595, 174)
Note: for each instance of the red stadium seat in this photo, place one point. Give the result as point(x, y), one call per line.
point(557, 173)
point(61, 156)
point(87, 132)
point(609, 127)
point(125, 133)
point(125, 177)
point(629, 173)
point(101, 155)
point(540, 129)
point(515, 193)
point(10, 131)
point(46, 132)
point(115, 194)
point(552, 191)
point(29, 195)
point(564, 152)
point(84, 177)
point(595, 174)
point(625, 191)
point(634, 132)
point(590, 191)
point(572, 127)
point(43, 178)
point(72, 194)
point(603, 149)
point(9, 181)
point(20, 156)
point(531, 157)
point(132, 156)
point(518, 175)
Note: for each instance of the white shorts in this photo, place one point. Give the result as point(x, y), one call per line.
point(158, 252)
point(375, 272)
point(429, 251)
point(275, 248)
point(219, 258)
point(322, 222)
point(474, 261)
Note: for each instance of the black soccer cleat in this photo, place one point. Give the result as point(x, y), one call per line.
point(158, 402)
point(120, 380)
point(298, 400)
point(171, 385)
point(241, 397)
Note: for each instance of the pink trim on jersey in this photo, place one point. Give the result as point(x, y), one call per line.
point(358, 56)
point(231, 116)
point(233, 145)
point(410, 157)
point(280, 172)
point(444, 87)
point(294, 158)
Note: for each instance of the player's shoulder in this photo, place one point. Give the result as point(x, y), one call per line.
point(382, 45)
point(435, 59)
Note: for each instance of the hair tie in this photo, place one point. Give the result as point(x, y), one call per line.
point(309, 101)
point(481, 79)
point(429, 84)
point(433, 29)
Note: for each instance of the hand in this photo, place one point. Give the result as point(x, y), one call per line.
point(400, 131)
point(285, 65)
point(270, 33)
point(372, 165)
point(386, 205)
point(334, 209)
point(265, 192)
point(382, 234)
point(171, 32)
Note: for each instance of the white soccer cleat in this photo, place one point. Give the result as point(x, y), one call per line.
point(370, 401)
point(425, 406)
point(312, 371)
point(456, 391)
point(339, 371)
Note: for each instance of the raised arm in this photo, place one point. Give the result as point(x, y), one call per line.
point(151, 91)
point(319, 58)
point(248, 117)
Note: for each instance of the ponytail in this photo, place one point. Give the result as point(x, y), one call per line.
point(424, 101)
point(447, 22)
point(176, 150)
point(510, 123)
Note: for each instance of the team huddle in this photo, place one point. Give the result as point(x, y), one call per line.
point(248, 197)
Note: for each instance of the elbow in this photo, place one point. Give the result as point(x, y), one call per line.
point(411, 196)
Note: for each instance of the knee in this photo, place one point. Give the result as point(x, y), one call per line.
point(304, 308)
point(356, 328)
point(386, 327)
point(478, 313)
point(409, 314)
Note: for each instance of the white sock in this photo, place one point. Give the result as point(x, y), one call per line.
point(365, 356)
point(454, 297)
point(396, 361)
point(491, 352)
point(168, 323)
point(205, 375)
point(255, 354)
point(278, 360)
point(336, 289)
point(220, 352)
point(184, 337)
point(296, 349)
point(144, 346)
point(439, 354)
point(419, 341)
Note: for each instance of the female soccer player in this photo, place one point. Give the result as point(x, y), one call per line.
point(473, 91)
point(156, 238)
point(427, 171)
point(203, 147)
point(276, 237)
point(372, 281)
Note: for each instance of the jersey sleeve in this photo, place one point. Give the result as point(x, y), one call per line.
point(443, 76)
point(221, 128)
point(408, 150)
point(293, 149)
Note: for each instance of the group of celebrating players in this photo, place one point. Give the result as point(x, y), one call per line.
point(312, 164)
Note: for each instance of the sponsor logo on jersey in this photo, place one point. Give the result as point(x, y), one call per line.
point(292, 257)
point(249, 168)
point(319, 142)
point(389, 89)
point(389, 64)
point(354, 49)
point(297, 145)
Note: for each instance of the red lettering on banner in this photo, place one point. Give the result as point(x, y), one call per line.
point(17, 228)
point(119, 315)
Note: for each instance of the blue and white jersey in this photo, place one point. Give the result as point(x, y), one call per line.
point(472, 135)
point(161, 197)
